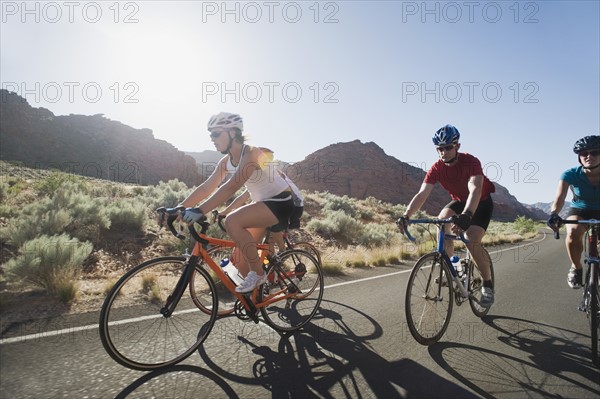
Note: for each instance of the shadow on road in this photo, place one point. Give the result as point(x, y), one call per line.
point(552, 351)
point(328, 358)
point(180, 381)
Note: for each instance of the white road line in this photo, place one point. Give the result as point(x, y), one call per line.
point(72, 330)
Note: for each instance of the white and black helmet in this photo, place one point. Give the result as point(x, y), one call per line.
point(226, 120)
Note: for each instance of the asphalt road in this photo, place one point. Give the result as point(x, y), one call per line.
point(534, 343)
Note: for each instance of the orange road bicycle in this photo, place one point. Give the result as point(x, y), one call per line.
point(161, 311)
point(590, 301)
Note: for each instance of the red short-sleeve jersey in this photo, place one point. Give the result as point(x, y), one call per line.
point(455, 178)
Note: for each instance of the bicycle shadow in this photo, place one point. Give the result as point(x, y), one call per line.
point(180, 381)
point(552, 352)
point(330, 359)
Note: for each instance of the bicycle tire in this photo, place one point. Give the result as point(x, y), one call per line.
point(593, 310)
point(310, 248)
point(135, 333)
point(475, 284)
point(225, 298)
point(301, 268)
point(429, 299)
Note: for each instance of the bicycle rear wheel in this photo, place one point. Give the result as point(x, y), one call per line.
point(293, 272)
point(593, 309)
point(133, 330)
point(311, 249)
point(429, 299)
point(475, 284)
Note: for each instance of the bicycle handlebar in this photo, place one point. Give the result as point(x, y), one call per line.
point(170, 215)
point(589, 222)
point(438, 222)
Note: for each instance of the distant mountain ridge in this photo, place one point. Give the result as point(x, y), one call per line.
point(88, 145)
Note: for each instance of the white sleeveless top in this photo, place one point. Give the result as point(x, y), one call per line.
point(264, 183)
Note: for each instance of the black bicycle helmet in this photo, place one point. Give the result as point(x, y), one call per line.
point(446, 135)
point(586, 143)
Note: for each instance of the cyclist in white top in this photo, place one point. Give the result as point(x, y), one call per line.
point(248, 166)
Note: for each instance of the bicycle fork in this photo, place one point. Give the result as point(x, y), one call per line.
point(173, 299)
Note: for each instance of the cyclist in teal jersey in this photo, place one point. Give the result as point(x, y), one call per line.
point(584, 182)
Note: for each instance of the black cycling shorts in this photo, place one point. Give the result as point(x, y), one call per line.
point(482, 215)
point(280, 207)
point(584, 213)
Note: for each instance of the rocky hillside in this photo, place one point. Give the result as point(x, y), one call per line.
point(360, 170)
point(92, 146)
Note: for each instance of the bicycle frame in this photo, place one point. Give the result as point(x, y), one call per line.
point(249, 301)
point(441, 237)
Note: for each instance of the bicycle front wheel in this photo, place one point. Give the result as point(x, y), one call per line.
point(135, 330)
point(593, 309)
point(429, 299)
point(475, 284)
point(295, 284)
point(225, 297)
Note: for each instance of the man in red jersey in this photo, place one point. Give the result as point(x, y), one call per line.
point(462, 176)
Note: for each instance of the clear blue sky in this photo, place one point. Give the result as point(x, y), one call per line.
point(520, 80)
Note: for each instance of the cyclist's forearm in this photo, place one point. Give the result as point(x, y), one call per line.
point(415, 204)
point(559, 200)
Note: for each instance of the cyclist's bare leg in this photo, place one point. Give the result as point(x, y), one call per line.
point(277, 239)
point(448, 244)
point(246, 227)
point(474, 235)
point(574, 241)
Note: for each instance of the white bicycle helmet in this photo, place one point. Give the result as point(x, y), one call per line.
point(226, 120)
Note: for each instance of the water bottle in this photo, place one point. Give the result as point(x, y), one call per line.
point(231, 271)
point(457, 264)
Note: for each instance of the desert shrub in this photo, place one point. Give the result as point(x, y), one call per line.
point(68, 210)
point(3, 192)
point(126, 216)
point(366, 213)
point(49, 261)
point(324, 227)
point(167, 194)
point(337, 224)
point(395, 211)
point(375, 234)
point(16, 186)
point(345, 204)
point(524, 225)
point(51, 183)
point(139, 190)
point(29, 226)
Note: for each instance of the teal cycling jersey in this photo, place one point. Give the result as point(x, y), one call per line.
point(585, 196)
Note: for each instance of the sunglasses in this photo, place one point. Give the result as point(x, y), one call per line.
point(214, 135)
point(445, 148)
point(593, 153)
